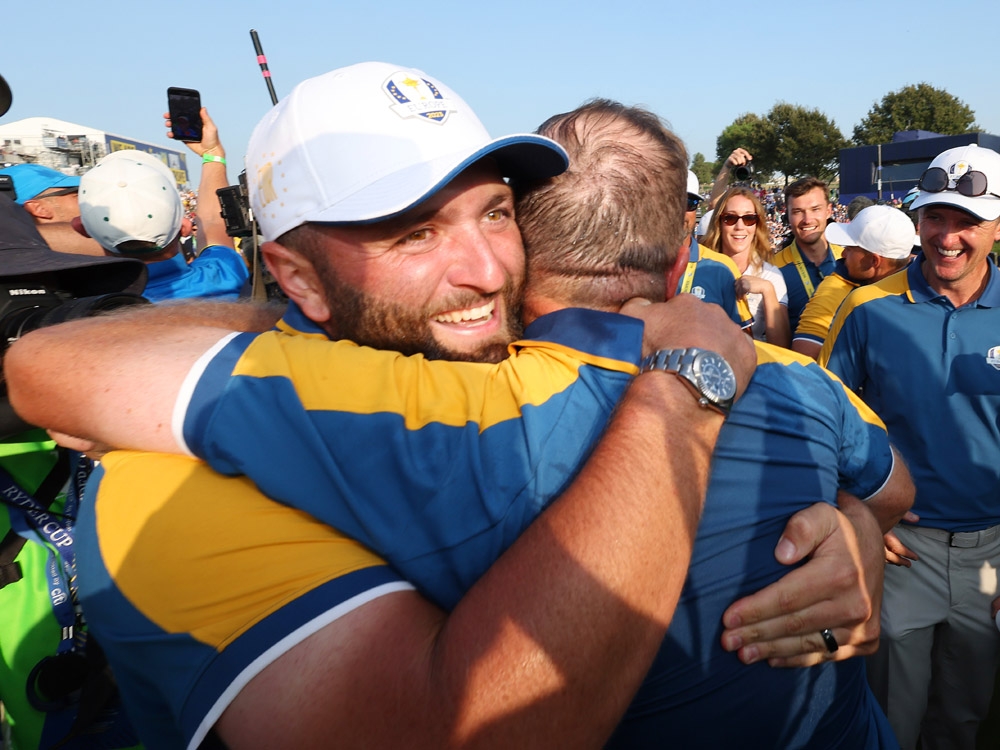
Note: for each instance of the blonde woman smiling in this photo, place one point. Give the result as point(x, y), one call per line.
point(739, 229)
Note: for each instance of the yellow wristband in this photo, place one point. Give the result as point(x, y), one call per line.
point(206, 158)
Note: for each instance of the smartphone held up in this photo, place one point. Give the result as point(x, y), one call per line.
point(184, 106)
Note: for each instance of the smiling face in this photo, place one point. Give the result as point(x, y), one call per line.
point(444, 279)
point(807, 215)
point(956, 245)
point(738, 238)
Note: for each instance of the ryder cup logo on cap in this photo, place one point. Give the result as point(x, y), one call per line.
point(417, 97)
point(882, 230)
point(127, 198)
point(367, 142)
point(967, 177)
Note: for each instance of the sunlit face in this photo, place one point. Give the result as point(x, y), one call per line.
point(807, 215)
point(858, 262)
point(738, 238)
point(690, 221)
point(956, 245)
point(63, 206)
point(444, 280)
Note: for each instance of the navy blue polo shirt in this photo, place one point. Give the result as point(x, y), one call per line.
point(932, 373)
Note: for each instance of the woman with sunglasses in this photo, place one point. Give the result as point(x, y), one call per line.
point(739, 229)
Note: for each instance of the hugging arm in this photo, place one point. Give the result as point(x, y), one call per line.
point(548, 648)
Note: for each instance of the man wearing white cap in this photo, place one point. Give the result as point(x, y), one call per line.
point(876, 243)
point(130, 205)
point(430, 261)
point(923, 347)
point(708, 275)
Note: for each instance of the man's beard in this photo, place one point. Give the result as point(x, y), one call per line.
point(382, 324)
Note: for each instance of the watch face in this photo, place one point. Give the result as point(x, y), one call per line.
point(715, 377)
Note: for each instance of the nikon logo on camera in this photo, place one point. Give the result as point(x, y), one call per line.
point(23, 292)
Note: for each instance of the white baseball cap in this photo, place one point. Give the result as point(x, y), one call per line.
point(703, 224)
point(146, 158)
point(882, 230)
point(367, 142)
point(126, 198)
point(939, 185)
point(693, 186)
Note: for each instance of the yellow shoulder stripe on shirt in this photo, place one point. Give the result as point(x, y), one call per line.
point(770, 354)
point(341, 376)
point(219, 530)
point(891, 286)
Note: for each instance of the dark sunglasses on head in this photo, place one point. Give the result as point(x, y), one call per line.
point(693, 203)
point(730, 219)
point(57, 193)
point(971, 184)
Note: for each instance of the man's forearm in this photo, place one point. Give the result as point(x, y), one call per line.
point(548, 648)
point(585, 595)
point(211, 225)
point(151, 348)
point(895, 498)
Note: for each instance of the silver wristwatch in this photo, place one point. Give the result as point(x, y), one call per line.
point(706, 372)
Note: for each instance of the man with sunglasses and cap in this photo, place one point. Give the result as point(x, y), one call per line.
point(51, 198)
point(932, 334)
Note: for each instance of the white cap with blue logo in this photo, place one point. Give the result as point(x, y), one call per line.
point(367, 142)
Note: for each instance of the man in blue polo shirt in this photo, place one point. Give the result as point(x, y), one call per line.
point(923, 348)
point(810, 258)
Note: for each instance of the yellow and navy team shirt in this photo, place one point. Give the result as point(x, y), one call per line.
point(711, 277)
point(439, 466)
point(932, 373)
point(802, 276)
point(193, 583)
point(817, 317)
point(454, 441)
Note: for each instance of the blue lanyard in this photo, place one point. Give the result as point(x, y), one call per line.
point(30, 520)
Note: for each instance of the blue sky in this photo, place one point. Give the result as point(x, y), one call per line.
point(108, 64)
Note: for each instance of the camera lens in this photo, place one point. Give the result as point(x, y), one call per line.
point(743, 172)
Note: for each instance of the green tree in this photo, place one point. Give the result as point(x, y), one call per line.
point(790, 139)
point(703, 170)
point(754, 133)
point(919, 107)
point(806, 142)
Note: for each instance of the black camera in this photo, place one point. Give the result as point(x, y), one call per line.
point(25, 306)
point(743, 173)
point(234, 204)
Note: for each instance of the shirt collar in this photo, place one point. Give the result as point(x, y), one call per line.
point(921, 291)
point(294, 320)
